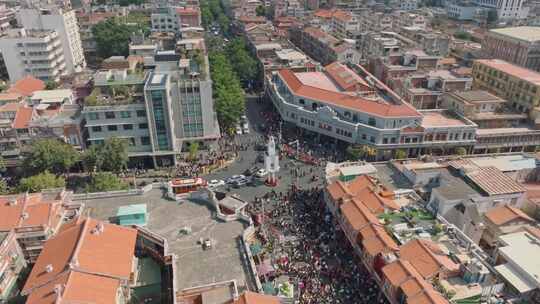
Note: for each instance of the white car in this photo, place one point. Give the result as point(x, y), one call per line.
point(261, 173)
point(215, 183)
point(245, 128)
point(238, 130)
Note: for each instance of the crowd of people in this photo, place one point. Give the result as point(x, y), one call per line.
point(302, 241)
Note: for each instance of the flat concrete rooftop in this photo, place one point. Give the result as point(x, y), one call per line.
point(195, 266)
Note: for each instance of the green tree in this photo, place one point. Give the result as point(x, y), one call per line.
point(44, 180)
point(51, 85)
point(50, 155)
point(4, 188)
point(243, 63)
point(2, 164)
point(462, 35)
point(400, 154)
point(193, 150)
point(260, 10)
point(228, 94)
point(114, 155)
point(461, 151)
point(92, 159)
point(112, 37)
point(106, 181)
point(353, 152)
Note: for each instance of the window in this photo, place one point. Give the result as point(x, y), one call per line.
point(112, 128)
point(302, 102)
point(128, 127)
point(96, 129)
point(109, 115)
point(141, 113)
point(93, 116)
point(125, 114)
point(372, 121)
point(145, 140)
point(143, 126)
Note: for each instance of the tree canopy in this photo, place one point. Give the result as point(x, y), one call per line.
point(105, 181)
point(228, 94)
point(50, 155)
point(41, 181)
point(112, 37)
point(245, 66)
point(112, 155)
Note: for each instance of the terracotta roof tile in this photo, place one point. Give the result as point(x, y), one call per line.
point(346, 78)
point(427, 258)
point(503, 215)
point(27, 86)
point(512, 69)
point(358, 216)
point(342, 15)
point(38, 212)
point(88, 246)
point(401, 274)
point(345, 100)
point(23, 118)
point(376, 240)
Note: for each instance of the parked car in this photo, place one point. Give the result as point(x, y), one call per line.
point(260, 158)
point(261, 173)
point(245, 128)
point(251, 171)
point(241, 182)
point(215, 183)
point(260, 147)
point(238, 130)
point(234, 178)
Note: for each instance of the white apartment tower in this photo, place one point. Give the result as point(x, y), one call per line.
point(33, 52)
point(65, 23)
point(506, 9)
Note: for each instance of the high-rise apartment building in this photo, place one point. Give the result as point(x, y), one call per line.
point(64, 22)
point(159, 112)
point(37, 53)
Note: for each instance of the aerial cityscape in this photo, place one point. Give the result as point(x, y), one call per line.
point(269, 152)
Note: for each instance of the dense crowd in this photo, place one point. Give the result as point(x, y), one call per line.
point(316, 257)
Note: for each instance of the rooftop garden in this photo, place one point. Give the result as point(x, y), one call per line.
point(114, 95)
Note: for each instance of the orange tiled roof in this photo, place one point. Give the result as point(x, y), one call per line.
point(87, 246)
point(374, 201)
point(345, 100)
point(10, 96)
point(23, 118)
point(345, 78)
point(505, 214)
point(427, 258)
point(512, 69)
point(27, 86)
point(324, 13)
point(401, 274)
point(357, 215)
point(342, 15)
point(376, 240)
point(38, 212)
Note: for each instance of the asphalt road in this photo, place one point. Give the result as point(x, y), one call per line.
point(247, 159)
